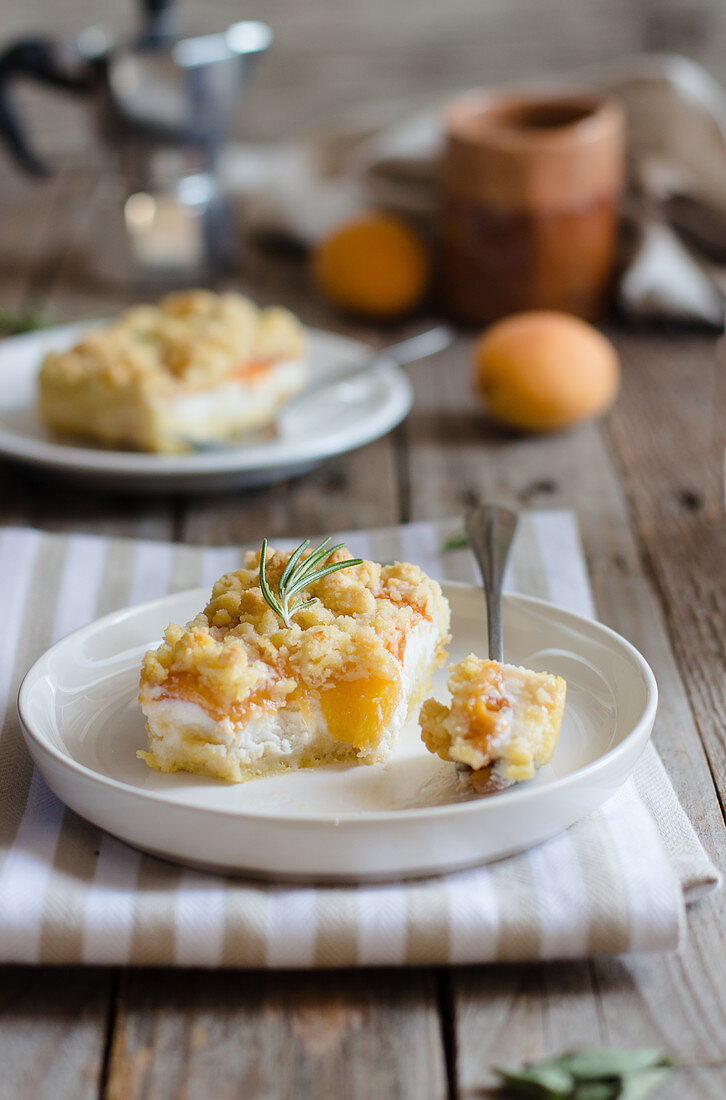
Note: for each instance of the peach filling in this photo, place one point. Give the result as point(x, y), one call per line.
point(483, 708)
point(190, 690)
point(357, 710)
point(252, 370)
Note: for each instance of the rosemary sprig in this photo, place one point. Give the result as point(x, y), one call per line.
point(299, 574)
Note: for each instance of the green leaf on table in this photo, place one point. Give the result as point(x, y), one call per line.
point(457, 541)
point(593, 1073)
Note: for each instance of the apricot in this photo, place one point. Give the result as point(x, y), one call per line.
point(374, 265)
point(542, 370)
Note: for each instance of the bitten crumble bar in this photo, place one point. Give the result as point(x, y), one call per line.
point(501, 717)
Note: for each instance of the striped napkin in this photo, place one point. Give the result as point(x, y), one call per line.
point(617, 881)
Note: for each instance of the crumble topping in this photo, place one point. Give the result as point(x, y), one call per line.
point(237, 647)
point(192, 339)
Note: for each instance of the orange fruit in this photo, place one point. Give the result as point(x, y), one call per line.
point(543, 370)
point(374, 265)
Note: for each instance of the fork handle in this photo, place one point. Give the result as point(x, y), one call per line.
point(490, 531)
point(405, 351)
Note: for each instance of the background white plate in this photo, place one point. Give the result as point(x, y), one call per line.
point(83, 726)
point(353, 414)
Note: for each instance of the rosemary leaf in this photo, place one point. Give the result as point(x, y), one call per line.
point(266, 591)
point(294, 558)
point(304, 604)
point(318, 575)
point(319, 554)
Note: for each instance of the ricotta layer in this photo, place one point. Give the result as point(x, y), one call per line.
point(233, 406)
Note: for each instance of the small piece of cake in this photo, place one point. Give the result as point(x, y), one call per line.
point(195, 369)
point(280, 671)
point(502, 718)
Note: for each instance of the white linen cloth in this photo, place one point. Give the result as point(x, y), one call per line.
point(674, 263)
point(617, 881)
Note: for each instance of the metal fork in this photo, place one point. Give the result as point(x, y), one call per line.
point(490, 531)
point(404, 352)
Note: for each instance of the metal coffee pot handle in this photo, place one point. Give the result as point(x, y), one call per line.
point(90, 66)
point(45, 62)
point(159, 21)
point(79, 68)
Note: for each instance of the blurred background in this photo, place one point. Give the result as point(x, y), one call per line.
point(139, 203)
point(331, 54)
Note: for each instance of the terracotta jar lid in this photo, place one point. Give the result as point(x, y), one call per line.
point(540, 151)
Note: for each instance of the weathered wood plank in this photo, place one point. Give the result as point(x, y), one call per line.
point(660, 430)
point(277, 1035)
point(506, 1015)
point(352, 491)
point(52, 1031)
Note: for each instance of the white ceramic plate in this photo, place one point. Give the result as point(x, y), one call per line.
point(83, 726)
point(348, 416)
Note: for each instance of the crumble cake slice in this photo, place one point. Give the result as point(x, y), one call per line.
point(196, 368)
point(502, 719)
point(236, 693)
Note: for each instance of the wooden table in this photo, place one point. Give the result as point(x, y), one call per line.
point(637, 482)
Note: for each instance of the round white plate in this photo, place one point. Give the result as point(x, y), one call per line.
point(346, 417)
point(83, 725)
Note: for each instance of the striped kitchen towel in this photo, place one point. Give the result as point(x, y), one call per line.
point(617, 881)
